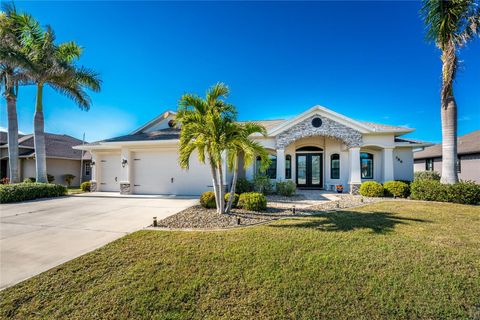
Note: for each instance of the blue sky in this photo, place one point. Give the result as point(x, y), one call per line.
point(367, 60)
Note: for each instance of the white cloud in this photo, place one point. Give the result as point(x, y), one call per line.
point(4, 129)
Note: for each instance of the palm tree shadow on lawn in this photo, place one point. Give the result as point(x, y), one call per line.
point(377, 222)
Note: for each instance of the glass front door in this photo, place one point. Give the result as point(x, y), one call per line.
point(309, 170)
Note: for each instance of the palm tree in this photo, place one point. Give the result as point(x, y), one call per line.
point(54, 66)
point(203, 123)
point(451, 24)
point(239, 142)
point(13, 63)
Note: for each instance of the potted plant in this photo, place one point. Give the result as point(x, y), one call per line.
point(339, 188)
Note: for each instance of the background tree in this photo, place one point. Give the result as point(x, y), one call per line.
point(54, 66)
point(203, 123)
point(451, 24)
point(13, 63)
point(239, 143)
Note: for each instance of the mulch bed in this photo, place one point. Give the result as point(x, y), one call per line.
point(197, 217)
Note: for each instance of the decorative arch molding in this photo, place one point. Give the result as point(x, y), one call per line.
point(329, 128)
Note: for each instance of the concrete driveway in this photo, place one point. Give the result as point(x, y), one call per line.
point(38, 235)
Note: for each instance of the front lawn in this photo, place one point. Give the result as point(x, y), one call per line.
point(386, 260)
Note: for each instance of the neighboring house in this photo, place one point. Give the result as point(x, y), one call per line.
point(61, 157)
point(468, 163)
point(317, 149)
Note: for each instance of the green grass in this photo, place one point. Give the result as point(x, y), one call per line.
point(74, 190)
point(388, 260)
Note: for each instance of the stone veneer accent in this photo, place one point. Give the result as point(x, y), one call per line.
point(354, 188)
point(125, 188)
point(329, 128)
point(93, 186)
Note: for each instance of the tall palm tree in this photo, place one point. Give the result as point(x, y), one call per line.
point(13, 63)
point(203, 123)
point(239, 142)
point(451, 24)
point(54, 65)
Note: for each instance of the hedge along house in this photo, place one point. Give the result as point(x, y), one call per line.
point(318, 149)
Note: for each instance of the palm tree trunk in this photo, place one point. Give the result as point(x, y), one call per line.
point(221, 193)
point(449, 142)
point(12, 136)
point(234, 185)
point(449, 115)
point(39, 138)
point(215, 182)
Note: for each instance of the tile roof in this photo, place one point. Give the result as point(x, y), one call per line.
point(268, 124)
point(467, 144)
point(385, 127)
point(56, 146)
point(164, 134)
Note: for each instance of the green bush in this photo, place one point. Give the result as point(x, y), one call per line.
point(254, 201)
point(262, 184)
point(464, 192)
point(396, 189)
point(243, 185)
point(69, 178)
point(29, 191)
point(50, 178)
point(86, 186)
point(207, 200)
point(29, 180)
point(286, 188)
point(371, 189)
point(426, 175)
point(235, 199)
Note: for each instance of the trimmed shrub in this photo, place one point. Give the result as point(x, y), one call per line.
point(426, 175)
point(465, 192)
point(430, 190)
point(286, 188)
point(254, 201)
point(243, 185)
point(29, 180)
point(85, 186)
point(69, 178)
point(235, 199)
point(396, 189)
point(371, 189)
point(262, 184)
point(28, 191)
point(207, 200)
point(50, 178)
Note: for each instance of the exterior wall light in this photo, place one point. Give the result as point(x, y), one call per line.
point(124, 163)
point(93, 163)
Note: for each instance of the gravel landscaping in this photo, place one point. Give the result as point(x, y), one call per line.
point(278, 207)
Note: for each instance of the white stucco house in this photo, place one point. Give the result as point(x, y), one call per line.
point(316, 149)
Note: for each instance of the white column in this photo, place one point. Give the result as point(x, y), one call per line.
point(388, 164)
point(249, 173)
point(354, 158)
point(125, 169)
point(93, 167)
point(280, 164)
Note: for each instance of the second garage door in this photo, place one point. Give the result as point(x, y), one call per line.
point(158, 172)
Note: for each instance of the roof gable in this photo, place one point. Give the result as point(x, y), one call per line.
point(158, 123)
point(325, 112)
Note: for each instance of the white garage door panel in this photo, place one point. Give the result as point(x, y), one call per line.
point(109, 166)
point(160, 173)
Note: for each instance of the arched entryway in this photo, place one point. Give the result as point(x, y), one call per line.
point(309, 167)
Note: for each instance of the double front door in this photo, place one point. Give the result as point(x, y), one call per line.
point(309, 170)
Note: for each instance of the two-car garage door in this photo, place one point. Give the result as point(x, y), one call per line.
point(158, 172)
